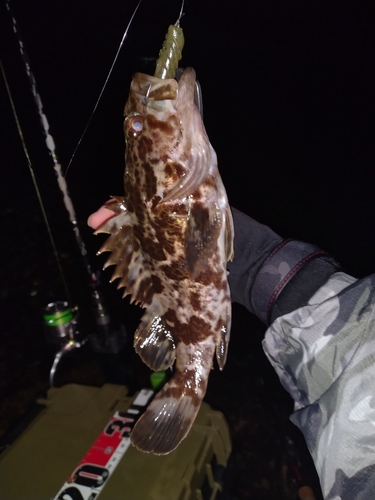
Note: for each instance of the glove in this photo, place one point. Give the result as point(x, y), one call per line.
point(271, 276)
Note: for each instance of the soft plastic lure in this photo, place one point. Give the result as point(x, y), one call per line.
point(171, 52)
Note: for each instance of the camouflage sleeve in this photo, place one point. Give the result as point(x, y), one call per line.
point(324, 354)
point(321, 343)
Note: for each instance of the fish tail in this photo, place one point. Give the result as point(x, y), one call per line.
point(170, 416)
point(165, 424)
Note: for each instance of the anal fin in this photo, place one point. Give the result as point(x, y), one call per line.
point(223, 336)
point(229, 234)
point(222, 344)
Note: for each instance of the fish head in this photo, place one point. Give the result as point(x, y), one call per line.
point(168, 152)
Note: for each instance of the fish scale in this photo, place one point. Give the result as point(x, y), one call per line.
point(170, 238)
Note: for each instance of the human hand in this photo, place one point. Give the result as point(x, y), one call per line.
point(101, 216)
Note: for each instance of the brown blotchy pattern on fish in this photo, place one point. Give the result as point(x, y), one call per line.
point(179, 379)
point(196, 329)
point(166, 128)
point(175, 273)
point(195, 300)
point(151, 181)
point(170, 240)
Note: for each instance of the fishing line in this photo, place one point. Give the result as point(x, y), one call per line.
point(25, 150)
point(50, 143)
point(103, 88)
point(99, 308)
point(109, 338)
point(177, 23)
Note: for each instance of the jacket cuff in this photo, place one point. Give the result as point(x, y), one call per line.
point(288, 278)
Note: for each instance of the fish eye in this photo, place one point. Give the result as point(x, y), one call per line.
point(134, 125)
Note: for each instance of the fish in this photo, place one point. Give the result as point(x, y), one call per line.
point(170, 239)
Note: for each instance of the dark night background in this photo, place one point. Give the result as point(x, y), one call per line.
point(288, 92)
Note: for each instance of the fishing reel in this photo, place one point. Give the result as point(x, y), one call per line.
point(61, 330)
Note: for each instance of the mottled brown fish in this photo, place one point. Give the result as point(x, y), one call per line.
point(170, 241)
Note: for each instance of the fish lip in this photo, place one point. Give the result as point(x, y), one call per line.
point(152, 88)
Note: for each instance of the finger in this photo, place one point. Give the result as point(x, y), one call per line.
point(99, 217)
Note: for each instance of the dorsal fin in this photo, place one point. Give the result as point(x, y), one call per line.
point(132, 268)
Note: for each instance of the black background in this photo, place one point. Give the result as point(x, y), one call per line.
point(288, 92)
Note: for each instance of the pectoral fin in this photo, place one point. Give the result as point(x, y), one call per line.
point(201, 236)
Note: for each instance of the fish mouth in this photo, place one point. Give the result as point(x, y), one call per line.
point(151, 88)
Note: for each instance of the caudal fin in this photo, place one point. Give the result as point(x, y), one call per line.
point(166, 421)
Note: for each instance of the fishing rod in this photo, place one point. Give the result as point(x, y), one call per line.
point(107, 339)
